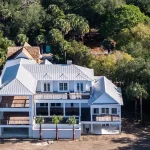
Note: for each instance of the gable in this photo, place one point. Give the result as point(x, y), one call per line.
point(105, 99)
point(21, 55)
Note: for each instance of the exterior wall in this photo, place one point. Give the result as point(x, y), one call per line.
point(38, 88)
point(55, 87)
point(62, 133)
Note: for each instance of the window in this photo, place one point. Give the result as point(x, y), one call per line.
point(43, 104)
point(46, 87)
point(63, 86)
point(71, 104)
point(105, 110)
point(55, 104)
point(80, 87)
point(96, 110)
point(114, 110)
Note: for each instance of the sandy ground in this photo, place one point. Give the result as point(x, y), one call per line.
point(133, 136)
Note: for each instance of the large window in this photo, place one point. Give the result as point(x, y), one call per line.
point(46, 87)
point(105, 110)
point(42, 109)
point(63, 86)
point(114, 110)
point(80, 87)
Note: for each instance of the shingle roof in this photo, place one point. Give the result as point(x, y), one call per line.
point(104, 86)
point(32, 52)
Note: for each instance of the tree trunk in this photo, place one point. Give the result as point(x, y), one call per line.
point(141, 110)
point(73, 132)
point(40, 132)
point(56, 132)
point(136, 117)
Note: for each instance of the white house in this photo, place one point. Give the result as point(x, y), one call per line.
point(29, 90)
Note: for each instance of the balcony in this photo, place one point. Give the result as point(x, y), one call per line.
point(14, 102)
point(106, 118)
point(15, 118)
point(62, 96)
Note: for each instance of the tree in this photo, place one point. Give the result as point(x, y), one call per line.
point(72, 121)
point(126, 16)
point(139, 92)
point(56, 120)
point(40, 39)
point(21, 39)
point(54, 36)
point(40, 121)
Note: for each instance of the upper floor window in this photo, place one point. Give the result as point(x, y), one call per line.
point(96, 110)
point(46, 87)
point(114, 110)
point(105, 110)
point(63, 86)
point(80, 87)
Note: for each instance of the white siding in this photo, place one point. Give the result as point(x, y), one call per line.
point(71, 85)
point(38, 88)
point(55, 86)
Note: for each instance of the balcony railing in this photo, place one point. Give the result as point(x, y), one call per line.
point(14, 105)
point(14, 122)
point(106, 118)
point(62, 96)
point(48, 120)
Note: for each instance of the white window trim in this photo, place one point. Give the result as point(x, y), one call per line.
point(96, 113)
point(114, 113)
point(105, 111)
point(67, 86)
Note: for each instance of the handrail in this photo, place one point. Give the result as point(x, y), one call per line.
point(62, 96)
point(14, 105)
point(14, 122)
point(106, 118)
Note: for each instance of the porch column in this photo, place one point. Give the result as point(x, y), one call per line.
point(30, 112)
point(91, 128)
point(64, 109)
point(0, 131)
point(48, 109)
point(79, 112)
point(34, 109)
point(91, 111)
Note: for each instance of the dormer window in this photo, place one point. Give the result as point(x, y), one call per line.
point(80, 87)
point(46, 87)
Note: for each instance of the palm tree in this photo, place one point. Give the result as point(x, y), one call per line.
point(56, 120)
point(72, 121)
point(40, 121)
point(137, 91)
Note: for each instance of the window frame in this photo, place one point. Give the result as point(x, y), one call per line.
point(96, 112)
point(46, 87)
point(63, 86)
point(105, 110)
point(80, 87)
point(112, 111)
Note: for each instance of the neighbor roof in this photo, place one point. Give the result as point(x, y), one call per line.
point(104, 86)
point(32, 52)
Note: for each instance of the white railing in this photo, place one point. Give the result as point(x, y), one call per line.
point(62, 96)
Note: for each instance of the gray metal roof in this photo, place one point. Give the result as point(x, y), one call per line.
point(16, 79)
point(46, 62)
point(57, 72)
point(103, 86)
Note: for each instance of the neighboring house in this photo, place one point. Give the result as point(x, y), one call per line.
point(26, 51)
point(29, 90)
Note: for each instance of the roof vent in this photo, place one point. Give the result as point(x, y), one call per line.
point(69, 62)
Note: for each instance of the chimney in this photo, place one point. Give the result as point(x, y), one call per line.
point(69, 62)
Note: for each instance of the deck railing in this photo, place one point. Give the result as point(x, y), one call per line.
point(14, 122)
point(106, 118)
point(62, 96)
point(14, 105)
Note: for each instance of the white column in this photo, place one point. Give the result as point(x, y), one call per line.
point(30, 112)
point(34, 109)
point(48, 109)
point(30, 132)
point(64, 109)
point(0, 131)
point(91, 128)
point(79, 112)
point(91, 111)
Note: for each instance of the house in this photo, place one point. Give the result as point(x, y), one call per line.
point(29, 90)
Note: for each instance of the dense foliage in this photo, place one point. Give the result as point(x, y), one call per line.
point(123, 29)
